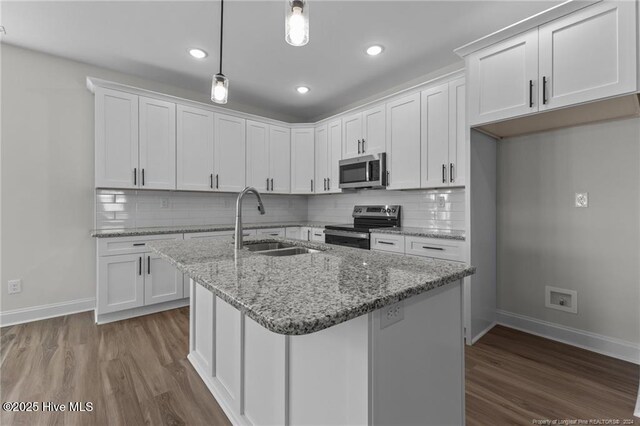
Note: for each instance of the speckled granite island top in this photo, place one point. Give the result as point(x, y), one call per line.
point(447, 234)
point(305, 293)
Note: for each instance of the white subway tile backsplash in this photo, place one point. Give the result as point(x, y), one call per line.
point(130, 208)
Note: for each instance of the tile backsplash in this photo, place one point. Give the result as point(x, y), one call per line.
point(419, 207)
point(131, 208)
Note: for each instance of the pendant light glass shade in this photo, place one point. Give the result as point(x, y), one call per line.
point(219, 89)
point(297, 22)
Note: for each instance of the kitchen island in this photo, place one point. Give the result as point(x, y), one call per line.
point(335, 336)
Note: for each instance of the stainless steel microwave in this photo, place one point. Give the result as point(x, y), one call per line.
point(368, 171)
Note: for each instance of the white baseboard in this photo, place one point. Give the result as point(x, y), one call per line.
point(141, 311)
point(616, 348)
point(637, 411)
point(478, 336)
point(36, 313)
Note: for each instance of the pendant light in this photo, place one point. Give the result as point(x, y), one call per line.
point(220, 83)
point(297, 22)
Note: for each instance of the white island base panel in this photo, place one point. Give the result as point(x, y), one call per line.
point(354, 373)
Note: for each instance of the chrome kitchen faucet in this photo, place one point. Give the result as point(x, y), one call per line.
point(241, 195)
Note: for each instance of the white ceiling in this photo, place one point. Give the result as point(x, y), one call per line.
point(151, 38)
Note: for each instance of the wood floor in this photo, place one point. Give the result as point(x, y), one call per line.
point(135, 372)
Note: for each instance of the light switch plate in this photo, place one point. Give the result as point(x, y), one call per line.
point(582, 199)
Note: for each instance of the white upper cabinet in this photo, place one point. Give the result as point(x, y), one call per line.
point(157, 144)
point(584, 56)
point(435, 136)
point(364, 133)
point(590, 54)
point(302, 161)
point(403, 142)
point(258, 155)
point(194, 149)
point(116, 136)
point(268, 157)
point(229, 153)
point(352, 136)
point(373, 130)
point(334, 134)
point(280, 159)
point(321, 160)
point(503, 79)
point(457, 132)
point(444, 135)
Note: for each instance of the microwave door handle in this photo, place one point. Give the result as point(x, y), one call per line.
point(366, 171)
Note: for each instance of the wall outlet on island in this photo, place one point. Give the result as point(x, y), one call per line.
point(391, 314)
point(15, 286)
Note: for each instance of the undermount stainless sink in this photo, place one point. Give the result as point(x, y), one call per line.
point(291, 251)
point(266, 246)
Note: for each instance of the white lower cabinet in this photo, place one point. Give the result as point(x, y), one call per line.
point(271, 232)
point(387, 242)
point(312, 234)
point(293, 233)
point(131, 278)
point(436, 248)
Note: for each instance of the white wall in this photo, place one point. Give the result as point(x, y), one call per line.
point(543, 239)
point(419, 207)
point(47, 170)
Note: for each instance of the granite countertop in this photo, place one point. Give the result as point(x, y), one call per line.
point(185, 229)
point(448, 234)
point(302, 294)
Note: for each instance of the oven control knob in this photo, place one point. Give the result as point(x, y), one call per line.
point(393, 210)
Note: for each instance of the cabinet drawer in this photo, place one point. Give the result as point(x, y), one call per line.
point(128, 245)
point(435, 247)
point(387, 242)
point(317, 234)
point(271, 232)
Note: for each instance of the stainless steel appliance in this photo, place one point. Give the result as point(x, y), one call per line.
point(368, 171)
point(365, 220)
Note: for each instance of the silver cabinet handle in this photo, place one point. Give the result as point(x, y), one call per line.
point(363, 150)
point(329, 184)
point(148, 265)
point(358, 146)
point(450, 172)
point(433, 248)
point(311, 185)
point(272, 184)
point(135, 176)
point(138, 244)
point(211, 181)
point(142, 177)
point(140, 265)
point(267, 184)
point(444, 172)
point(544, 90)
point(217, 182)
point(387, 243)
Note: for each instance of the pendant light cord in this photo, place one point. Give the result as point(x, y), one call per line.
point(221, 23)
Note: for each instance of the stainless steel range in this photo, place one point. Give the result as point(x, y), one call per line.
point(365, 220)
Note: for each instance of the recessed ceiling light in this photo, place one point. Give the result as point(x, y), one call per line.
point(374, 50)
point(197, 53)
point(302, 89)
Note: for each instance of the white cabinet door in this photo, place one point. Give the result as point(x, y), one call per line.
point(334, 133)
point(162, 281)
point(121, 281)
point(293, 233)
point(373, 130)
point(258, 155)
point(302, 161)
point(588, 55)
point(403, 142)
point(194, 149)
point(503, 79)
point(229, 153)
point(321, 159)
point(435, 136)
point(116, 127)
point(280, 159)
point(352, 136)
point(157, 144)
point(457, 132)
point(305, 233)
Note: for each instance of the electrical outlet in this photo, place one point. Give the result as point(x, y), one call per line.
point(165, 203)
point(441, 201)
point(582, 199)
point(561, 299)
point(15, 286)
point(391, 314)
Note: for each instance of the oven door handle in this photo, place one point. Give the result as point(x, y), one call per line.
point(349, 234)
